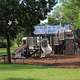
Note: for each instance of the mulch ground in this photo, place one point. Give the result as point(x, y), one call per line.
point(62, 61)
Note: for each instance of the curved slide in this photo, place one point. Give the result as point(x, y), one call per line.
point(46, 48)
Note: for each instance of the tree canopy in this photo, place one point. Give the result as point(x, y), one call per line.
point(70, 12)
point(35, 10)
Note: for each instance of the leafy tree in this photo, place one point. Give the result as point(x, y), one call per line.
point(8, 21)
point(71, 12)
point(36, 11)
point(57, 14)
point(21, 15)
point(52, 20)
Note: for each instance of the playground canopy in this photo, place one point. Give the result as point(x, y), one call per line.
point(50, 29)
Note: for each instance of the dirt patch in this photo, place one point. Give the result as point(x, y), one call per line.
point(65, 61)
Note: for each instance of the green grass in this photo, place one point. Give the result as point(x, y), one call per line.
point(33, 72)
point(4, 50)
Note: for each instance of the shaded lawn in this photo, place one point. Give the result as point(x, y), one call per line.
point(4, 50)
point(33, 72)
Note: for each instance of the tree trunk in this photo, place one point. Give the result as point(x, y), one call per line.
point(8, 48)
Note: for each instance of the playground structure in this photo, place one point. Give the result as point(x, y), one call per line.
point(55, 46)
point(31, 46)
point(47, 41)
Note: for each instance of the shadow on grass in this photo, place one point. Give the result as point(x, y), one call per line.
point(20, 66)
point(22, 79)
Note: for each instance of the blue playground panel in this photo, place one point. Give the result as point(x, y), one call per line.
point(50, 29)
